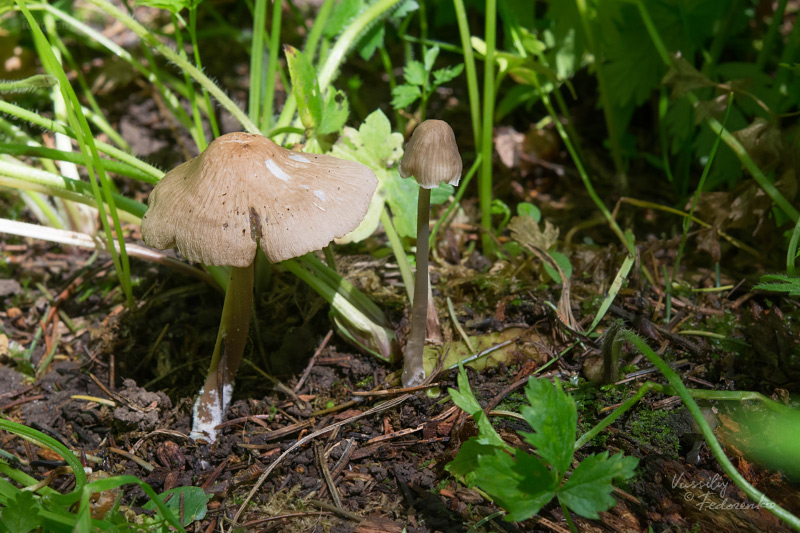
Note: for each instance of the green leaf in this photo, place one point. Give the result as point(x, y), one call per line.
point(440, 194)
point(464, 399)
point(527, 209)
point(22, 513)
point(430, 58)
point(466, 462)
point(305, 87)
point(521, 487)
point(554, 419)
point(443, 75)
point(415, 73)
point(336, 112)
point(562, 261)
point(371, 41)
point(376, 146)
point(405, 95)
point(779, 283)
point(340, 18)
point(191, 501)
point(171, 5)
point(588, 490)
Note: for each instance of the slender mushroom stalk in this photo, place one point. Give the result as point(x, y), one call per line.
point(244, 192)
point(234, 325)
point(432, 158)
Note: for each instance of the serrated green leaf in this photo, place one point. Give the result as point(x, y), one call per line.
point(779, 283)
point(371, 41)
point(405, 95)
point(376, 146)
point(415, 73)
point(430, 58)
point(305, 87)
point(22, 513)
point(521, 486)
point(554, 419)
point(336, 111)
point(588, 490)
point(466, 462)
point(464, 399)
point(443, 75)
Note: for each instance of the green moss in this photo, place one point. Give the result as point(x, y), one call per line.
point(656, 428)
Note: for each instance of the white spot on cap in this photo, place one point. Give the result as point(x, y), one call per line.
point(277, 171)
point(320, 194)
point(299, 158)
point(304, 187)
point(319, 206)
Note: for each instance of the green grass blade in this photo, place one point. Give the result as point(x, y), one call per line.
point(101, 185)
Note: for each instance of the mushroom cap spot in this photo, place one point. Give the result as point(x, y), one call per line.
point(431, 156)
point(277, 171)
point(218, 207)
point(299, 158)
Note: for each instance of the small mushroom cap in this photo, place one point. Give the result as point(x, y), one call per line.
point(245, 190)
point(432, 156)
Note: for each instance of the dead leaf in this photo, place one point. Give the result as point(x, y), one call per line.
point(526, 231)
point(508, 142)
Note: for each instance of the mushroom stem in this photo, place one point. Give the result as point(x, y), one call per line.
point(231, 339)
point(413, 369)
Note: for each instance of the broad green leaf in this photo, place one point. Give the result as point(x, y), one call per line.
point(415, 73)
point(402, 195)
point(588, 490)
point(521, 486)
point(443, 75)
point(336, 111)
point(191, 501)
point(527, 209)
point(305, 87)
point(405, 95)
point(22, 513)
point(440, 194)
point(464, 399)
point(562, 261)
point(554, 419)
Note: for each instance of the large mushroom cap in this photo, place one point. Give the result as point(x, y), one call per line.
point(432, 156)
point(245, 190)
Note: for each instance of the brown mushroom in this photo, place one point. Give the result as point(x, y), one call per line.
point(242, 192)
point(432, 157)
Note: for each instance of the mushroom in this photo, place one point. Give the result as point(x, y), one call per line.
point(432, 157)
point(242, 192)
